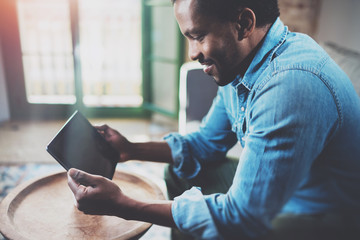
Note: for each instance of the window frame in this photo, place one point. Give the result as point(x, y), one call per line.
point(149, 59)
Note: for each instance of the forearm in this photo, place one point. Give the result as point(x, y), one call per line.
point(156, 212)
point(151, 151)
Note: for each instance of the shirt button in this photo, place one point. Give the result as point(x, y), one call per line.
point(242, 109)
point(243, 138)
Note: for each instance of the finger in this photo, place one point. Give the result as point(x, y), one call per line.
point(103, 127)
point(72, 184)
point(82, 178)
point(106, 131)
point(79, 191)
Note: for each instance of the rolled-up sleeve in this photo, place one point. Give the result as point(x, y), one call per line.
point(190, 208)
point(185, 166)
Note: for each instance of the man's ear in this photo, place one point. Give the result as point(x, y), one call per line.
point(245, 23)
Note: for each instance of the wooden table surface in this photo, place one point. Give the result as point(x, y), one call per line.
point(44, 209)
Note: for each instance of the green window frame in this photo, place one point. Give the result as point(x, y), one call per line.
point(163, 55)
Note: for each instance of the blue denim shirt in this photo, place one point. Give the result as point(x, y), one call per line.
point(297, 116)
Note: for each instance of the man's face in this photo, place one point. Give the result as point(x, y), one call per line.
point(212, 42)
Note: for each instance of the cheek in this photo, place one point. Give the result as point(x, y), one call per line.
point(207, 49)
point(214, 50)
point(230, 53)
point(222, 50)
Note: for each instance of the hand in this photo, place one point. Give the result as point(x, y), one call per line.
point(117, 140)
point(96, 195)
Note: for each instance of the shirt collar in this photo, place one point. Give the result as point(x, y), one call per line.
point(274, 38)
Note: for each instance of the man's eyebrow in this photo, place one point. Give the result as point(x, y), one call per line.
point(191, 32)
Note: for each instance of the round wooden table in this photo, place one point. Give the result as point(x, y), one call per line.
point(44, 209)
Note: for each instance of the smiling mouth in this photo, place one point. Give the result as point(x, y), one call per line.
point(208, 66)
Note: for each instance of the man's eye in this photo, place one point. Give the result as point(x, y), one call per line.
point(198, 38)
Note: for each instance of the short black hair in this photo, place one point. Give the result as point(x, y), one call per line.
point(266, 11)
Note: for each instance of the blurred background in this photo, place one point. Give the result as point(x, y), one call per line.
point(118, 62)
point(119, 58)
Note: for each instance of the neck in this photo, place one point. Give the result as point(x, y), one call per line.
point(257, 39)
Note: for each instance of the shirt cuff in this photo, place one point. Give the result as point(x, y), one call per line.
point(184, 165)
point(192, 216)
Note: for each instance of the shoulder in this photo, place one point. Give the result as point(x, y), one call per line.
point(299, 64)
point(295, 74)
point(299, 52)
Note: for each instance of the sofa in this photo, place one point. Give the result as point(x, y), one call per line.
point(348, 60)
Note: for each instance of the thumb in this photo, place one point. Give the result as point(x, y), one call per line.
point(81, 183)
point(81, 177)
point(73, 172)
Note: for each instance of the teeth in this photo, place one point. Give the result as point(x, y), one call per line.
point(207, 68)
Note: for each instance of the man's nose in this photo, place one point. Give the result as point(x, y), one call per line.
point(194, 50)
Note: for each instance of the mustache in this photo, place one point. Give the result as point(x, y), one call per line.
point(206, 62)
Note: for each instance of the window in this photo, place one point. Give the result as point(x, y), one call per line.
point(45, 36)
point(110, 52)
point(106, 58)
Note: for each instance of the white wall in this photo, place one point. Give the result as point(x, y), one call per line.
point(340, 23)
point(4, 106)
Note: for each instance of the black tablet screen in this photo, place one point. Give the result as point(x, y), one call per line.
point(79, 145)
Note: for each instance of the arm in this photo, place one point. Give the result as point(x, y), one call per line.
point(287, 130)
point(99, 196)
point(187, 153)
point(149, 151)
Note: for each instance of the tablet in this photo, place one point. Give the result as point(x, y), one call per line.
point(79, 145)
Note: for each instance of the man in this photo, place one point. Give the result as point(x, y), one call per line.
point(293, 110)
